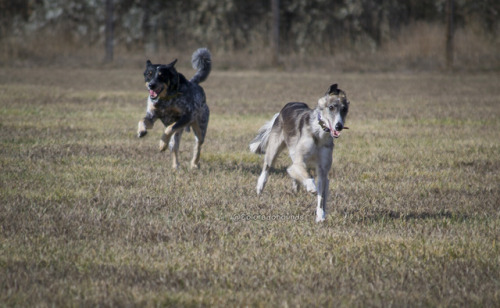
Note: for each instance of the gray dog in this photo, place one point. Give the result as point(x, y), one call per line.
point(308, 134)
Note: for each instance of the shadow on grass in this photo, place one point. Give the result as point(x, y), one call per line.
point(380, 215)
point(254, 169)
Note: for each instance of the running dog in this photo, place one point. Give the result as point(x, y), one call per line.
point(178, 103)
point(308, 134)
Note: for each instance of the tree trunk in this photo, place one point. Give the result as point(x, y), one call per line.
point(449, 34)
point(149, 28)
point(109, 31)
point(275, 32)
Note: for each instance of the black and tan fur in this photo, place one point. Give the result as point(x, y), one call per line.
point(309, 136)
point(179, 103)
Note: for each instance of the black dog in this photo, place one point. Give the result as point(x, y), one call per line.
point(178, 103)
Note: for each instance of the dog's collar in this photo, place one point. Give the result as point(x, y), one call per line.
point(169, 97)
point(323, 124)
point(166, 98)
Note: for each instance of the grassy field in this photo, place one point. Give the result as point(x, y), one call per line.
point(92, 216)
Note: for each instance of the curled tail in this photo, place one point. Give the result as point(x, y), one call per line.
point(202, 63)
point(259, 143)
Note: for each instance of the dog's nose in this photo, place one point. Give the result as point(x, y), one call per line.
point(152, 85)
point(339, 127)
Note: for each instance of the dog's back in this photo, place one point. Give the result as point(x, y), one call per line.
point(293, 118)
point(289, 122)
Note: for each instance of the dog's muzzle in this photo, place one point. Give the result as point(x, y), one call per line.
point(154, 90)
point(334, 132)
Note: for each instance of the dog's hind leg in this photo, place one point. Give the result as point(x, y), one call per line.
point(300, 154)
point(275, 145)
point(199, 139)
point(295, 185)
point(298, 172)
point(200, 130)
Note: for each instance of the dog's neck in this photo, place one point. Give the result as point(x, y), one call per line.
point(323, 124)
point(320, 126)
point(174, 95)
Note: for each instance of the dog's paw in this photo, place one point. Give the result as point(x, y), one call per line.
point(259, 190)
point(310, 186)
point(261, 182)
point(141, 134)
point(320, 215)
point(195, 166)
point(163, 146)
point(320, 219)
point(141, 129)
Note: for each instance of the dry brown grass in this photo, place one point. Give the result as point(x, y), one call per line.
point(90, 215)
point(419, 46)
point(422, 46)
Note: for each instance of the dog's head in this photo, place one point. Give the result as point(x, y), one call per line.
point(333, 110)
point(150, 71)
point(161, 80)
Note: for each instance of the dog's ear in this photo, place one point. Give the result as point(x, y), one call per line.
point(333, 90)
point(172, 64)
point(148, 63)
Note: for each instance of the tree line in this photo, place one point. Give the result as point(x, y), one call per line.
point(304, 25)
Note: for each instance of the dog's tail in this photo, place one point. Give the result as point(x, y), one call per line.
point(259, 143)
point(202, 63)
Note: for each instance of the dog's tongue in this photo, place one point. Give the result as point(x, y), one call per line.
point(152, 94)
point(333, 133)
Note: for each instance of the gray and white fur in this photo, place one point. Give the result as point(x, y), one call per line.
point(309, 136)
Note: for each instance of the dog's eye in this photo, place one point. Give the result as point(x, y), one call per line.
point(331, 107)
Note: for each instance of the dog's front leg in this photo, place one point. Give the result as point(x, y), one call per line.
point(145, 124)
point(324, 165)
point(322, 197)
point(165, 140)
point(174, 148)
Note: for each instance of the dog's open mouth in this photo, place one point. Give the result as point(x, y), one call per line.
point(154, 93)
point(335, 133)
